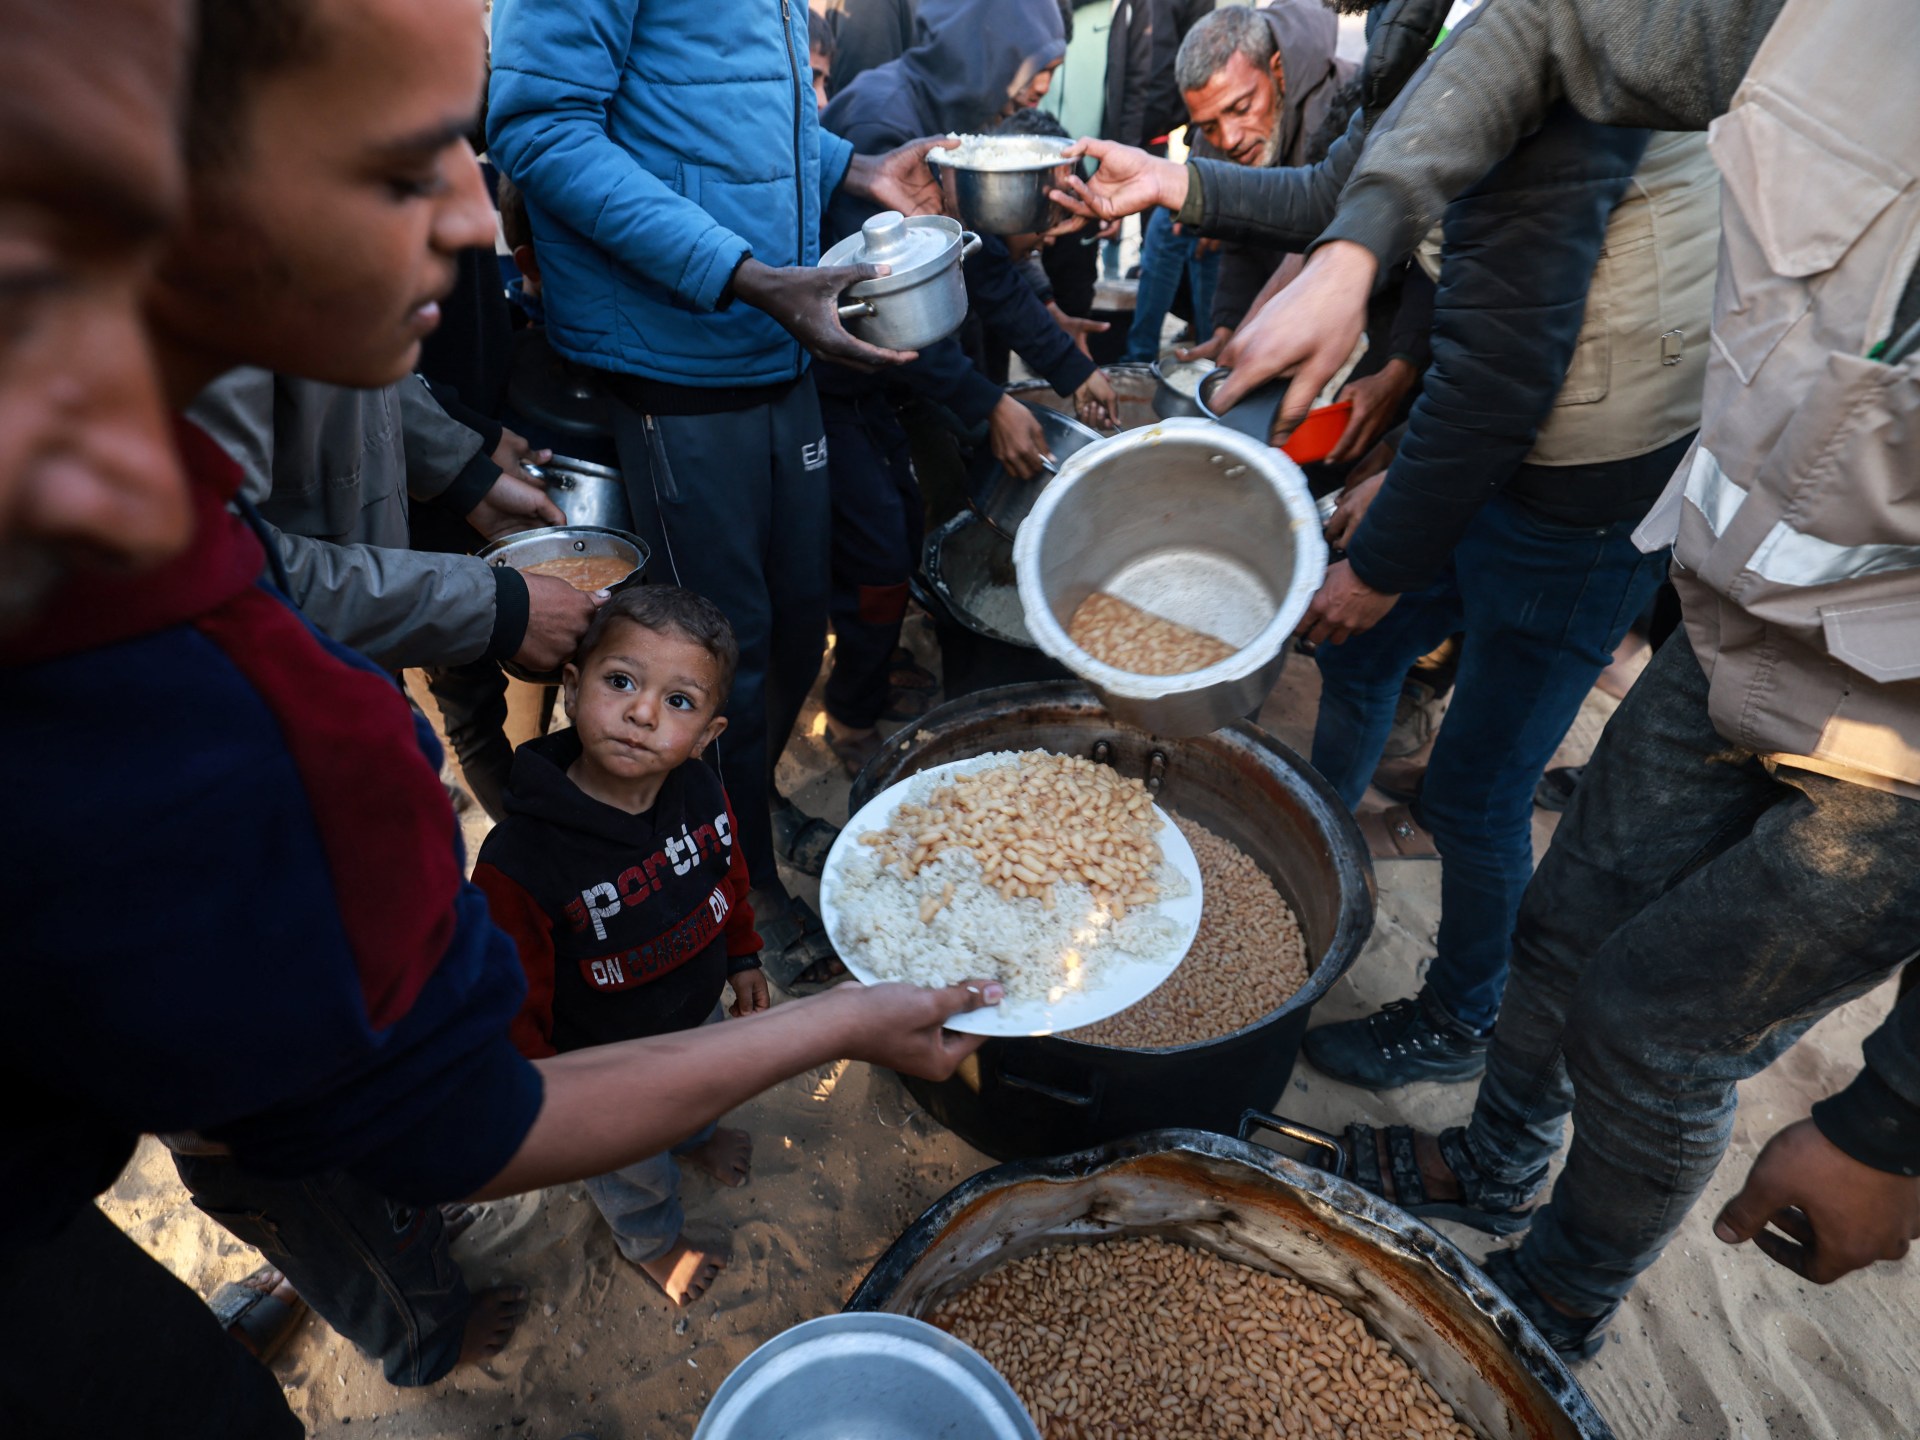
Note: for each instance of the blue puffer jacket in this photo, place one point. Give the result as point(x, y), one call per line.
point(659, 143)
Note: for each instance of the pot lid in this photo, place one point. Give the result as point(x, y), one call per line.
point(915, 247)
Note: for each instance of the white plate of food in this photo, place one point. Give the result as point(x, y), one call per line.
point(1056, 876)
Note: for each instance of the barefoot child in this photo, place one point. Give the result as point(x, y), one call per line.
point(617, 874)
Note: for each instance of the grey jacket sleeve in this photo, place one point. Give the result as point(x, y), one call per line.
point(404, 607)
point(237, 411)
point(1284, 208)
point(440, 450)
point(1667, 66)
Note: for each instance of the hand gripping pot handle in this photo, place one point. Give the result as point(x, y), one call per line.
point(1316, 1140)
point(860, 309)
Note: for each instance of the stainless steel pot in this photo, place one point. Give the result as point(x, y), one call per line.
point(1192, 522)
point(880, 1375)
point(999, 184)
point(1001, 500)
point(587, 494)
point(1176, 387)
point(1411, 1287)
point(1132, 385)
point(966, 584)
point(923, 298)
point(559, 542)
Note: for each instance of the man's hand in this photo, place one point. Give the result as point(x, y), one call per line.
point(1016, 437)
point(1078, 328)
point(1210, 350)
point(557, 616)
point(805, 299)
point(1352, 509)
point(749, 992)
point(1127, 182)
point(1345, 606)
point(1842, 1215)
point(513, 451)
point(901, 179)
point(1308, 330)
point(1375, 401)
point(513, 504)
point(899, 1026)
point(1096, 404)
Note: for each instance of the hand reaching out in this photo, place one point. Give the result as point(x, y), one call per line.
point(1078, 328)
point(513, 504)
point(1096, 404)
point(1376, 400)
point(1016, 437)
point(749, 992)
point(1352, 509)
point(1307, 330)
point(901, 179)
point(805, 299)
point(1206, 350)
point(1127, 182)
point(513, 452)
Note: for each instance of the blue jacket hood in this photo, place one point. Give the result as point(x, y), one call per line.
point(969, 56)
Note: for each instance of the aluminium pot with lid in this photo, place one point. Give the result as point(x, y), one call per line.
point(923, 297)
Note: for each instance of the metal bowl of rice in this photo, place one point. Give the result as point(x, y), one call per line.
point(999, 184)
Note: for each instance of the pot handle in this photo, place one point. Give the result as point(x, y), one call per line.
point(857, 310)
point(1317, 1140)
point(1040, 1087)
point(969, 242)
point(533, 472)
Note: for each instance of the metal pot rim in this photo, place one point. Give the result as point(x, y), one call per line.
point(1289, 487)
point(494, 550)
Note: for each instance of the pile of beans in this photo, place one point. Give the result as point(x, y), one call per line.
point(1033, 822)
point(1141, 1338)
point(1138, 641)
point(1248, 958)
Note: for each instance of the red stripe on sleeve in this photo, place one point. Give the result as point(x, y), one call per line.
point(520, 915)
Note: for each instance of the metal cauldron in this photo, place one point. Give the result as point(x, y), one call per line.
point(587, 494)
point(879, 1375)
point(923, 297)
point(999, 184)
point(1192, 522)
point(965, 582)
point(1046, 1095)
point(1413, 1288)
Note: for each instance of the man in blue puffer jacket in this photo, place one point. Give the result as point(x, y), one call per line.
point(672, 163)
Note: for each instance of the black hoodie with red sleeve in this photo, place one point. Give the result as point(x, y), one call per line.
point(627, 925)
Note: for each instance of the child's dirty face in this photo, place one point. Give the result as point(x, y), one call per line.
point(645, 703)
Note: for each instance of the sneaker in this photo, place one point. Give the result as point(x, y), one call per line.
point(1573, 1337)
point(1416, 719)
point(1406, 1041)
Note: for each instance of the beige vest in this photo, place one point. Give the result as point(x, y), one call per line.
point(1635, 378)
point(1795, 519)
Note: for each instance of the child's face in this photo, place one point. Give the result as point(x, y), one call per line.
point(822, 65)
point(644, 704)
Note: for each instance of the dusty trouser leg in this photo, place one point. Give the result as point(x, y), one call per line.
point(1693, 979)
point(473, 708)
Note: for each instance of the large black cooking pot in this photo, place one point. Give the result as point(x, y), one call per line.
point(962, 560)
point(1413, 1289)
point(1048, 1095)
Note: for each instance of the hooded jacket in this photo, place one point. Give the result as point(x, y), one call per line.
point(972, 55)
point(627, 925)
point(659, 143)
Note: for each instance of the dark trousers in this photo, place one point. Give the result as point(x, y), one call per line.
point(878, 524)
point(377, 1271)
point(97, 1339)
point(1696, 913)
point(1542, 607)
point(735, 506)
point(473, 708)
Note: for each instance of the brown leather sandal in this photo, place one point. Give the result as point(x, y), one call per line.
point(1393, 834)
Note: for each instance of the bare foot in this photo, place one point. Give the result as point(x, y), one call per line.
point(496, 1314)
point(727, 1157)
point(684, 1273)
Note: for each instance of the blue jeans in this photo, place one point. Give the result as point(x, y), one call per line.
point(1542, 607)
point(379, 1272)
point(1163, 255)
point(1696, 913)
point(641, 1201)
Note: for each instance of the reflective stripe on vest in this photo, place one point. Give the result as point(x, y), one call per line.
point(1786, 556)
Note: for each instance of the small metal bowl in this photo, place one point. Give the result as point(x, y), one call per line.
point(1176, 390)
point(1006, 195)
point(880, 1375)
point(1192, 522)
point(561, 542)
point(1001, 500)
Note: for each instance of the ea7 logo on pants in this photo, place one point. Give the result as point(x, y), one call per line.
point(815, 455)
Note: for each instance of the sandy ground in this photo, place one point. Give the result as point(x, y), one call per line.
point(1714, 1342)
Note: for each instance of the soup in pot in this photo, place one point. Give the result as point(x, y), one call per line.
point(584, 572)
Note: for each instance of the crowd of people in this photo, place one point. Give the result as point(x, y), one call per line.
point(267, 388)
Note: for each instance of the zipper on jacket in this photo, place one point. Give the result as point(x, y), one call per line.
point(799, 180)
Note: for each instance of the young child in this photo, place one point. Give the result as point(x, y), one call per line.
point(617, 875)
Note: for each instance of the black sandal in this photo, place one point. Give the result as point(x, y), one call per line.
point(256, 1317)
point(796, 944)
point(802, 840)
point(1403, 1186)
point(1556, 788)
